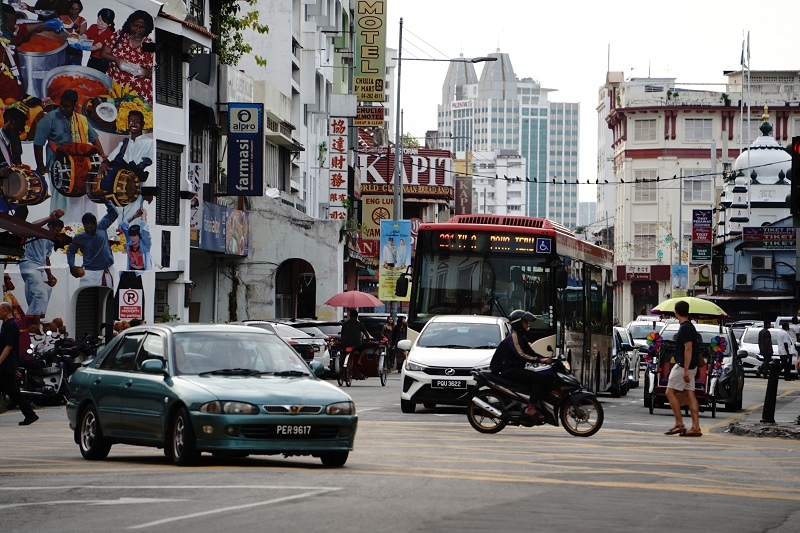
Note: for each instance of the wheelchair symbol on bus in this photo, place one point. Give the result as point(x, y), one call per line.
point(543, 246)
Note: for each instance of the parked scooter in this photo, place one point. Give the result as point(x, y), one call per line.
point(496, 402)
point(44, 377)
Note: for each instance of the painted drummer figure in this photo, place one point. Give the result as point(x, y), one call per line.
point(59, 127)
point(10, 147)
point(139, 150)
point(34, 267)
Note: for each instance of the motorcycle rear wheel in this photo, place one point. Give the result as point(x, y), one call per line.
point(584, 420)
point(483, 421)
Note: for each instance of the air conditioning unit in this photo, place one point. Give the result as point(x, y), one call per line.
point(760, 262)
point(744, 279)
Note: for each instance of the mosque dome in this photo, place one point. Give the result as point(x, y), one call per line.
point(764, 155)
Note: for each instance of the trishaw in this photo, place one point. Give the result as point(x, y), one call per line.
point(374, 363)
point(659, 357)
point(659, 364)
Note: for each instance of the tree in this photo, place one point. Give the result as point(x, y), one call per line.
point(409, 141)
point(228, 23)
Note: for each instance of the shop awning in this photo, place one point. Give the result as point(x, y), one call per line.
point(759, 296)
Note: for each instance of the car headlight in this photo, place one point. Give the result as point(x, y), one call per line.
point(341, 408)
point(411, 365)
point(229, 408)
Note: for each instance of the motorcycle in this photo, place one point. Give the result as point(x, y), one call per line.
point(495, 402)
point(44, 378)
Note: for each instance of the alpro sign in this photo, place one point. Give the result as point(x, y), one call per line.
point(245, 149)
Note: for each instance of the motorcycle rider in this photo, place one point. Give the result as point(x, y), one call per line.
point(352, 332)
point(516, 352)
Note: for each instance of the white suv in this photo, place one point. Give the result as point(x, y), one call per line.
point(440, 362)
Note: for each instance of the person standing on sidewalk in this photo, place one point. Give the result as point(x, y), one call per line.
point(786, 349)
point(9, 342)
point(682, 376)
point(765, 348)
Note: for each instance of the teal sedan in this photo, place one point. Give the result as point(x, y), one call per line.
point(223, 389)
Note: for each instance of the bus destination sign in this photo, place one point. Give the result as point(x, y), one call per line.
point(472, 241)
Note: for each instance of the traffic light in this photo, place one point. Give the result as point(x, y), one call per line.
point(794, 177)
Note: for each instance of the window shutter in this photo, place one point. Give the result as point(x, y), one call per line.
point(169, 74)
point(168, 173)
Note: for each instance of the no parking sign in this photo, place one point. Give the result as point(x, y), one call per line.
point(130, 303)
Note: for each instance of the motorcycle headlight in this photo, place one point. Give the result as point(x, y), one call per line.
point(341, 408)
point(229, 408)
point(411, 365)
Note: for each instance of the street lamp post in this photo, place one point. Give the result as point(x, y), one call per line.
point(397, 211)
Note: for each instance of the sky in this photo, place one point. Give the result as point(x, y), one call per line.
point(569, 46)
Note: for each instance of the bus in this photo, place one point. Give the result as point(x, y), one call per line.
point(494, 264)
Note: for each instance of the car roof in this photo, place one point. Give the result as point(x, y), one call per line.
point(470, 319)
point(195, 327)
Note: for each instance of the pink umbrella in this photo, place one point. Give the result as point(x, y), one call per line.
point(353, 299)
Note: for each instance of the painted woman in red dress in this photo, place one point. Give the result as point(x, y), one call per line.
point(128, 62)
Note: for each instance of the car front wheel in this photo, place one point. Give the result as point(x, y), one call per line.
point(182, 440)
point(334, 459)
point(407, 406)
point(90, 438)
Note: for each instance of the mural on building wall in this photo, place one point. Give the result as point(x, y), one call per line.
point(76, 111)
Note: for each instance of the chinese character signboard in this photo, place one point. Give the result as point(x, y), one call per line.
point(395, 257)
point(245, 149)
point(337, 168)
point(370, 41)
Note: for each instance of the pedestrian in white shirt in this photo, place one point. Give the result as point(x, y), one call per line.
point(786, 350)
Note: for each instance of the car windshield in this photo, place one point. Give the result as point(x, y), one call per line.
point(204, 352)
point(641, 331)
point(452, 335)
point(751, 335)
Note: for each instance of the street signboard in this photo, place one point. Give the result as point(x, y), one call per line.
point(369, 116)
point(701, 252)
point(701, 234)
point(701, 218)
point(130, 304)
point(770, 237)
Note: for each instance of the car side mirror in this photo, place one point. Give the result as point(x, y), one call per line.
point(404, 345)
point(742, 354)
point(625, 347)
point(154, 366)
point(317, 368)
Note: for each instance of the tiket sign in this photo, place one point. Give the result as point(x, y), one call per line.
point(245, 149)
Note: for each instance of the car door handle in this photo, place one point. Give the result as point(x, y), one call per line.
point(97, 381)
point(129, 383)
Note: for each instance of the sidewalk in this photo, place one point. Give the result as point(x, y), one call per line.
point(787, 411)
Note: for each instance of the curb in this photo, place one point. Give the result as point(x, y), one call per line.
point(781, 431)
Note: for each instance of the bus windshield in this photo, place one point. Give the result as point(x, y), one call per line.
point(481, 284)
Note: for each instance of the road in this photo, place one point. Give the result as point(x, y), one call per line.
point(427, 471)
